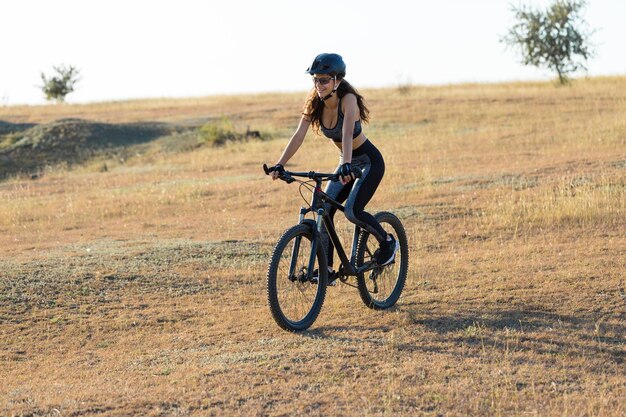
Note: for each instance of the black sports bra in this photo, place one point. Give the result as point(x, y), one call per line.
point(336, 132)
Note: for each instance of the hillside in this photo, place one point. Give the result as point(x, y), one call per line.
point(139, 288)
point(29, 149)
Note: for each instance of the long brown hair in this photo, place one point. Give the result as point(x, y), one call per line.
point(314, 106)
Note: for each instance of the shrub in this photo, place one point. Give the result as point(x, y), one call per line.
point(218, 133)
point(58, 86)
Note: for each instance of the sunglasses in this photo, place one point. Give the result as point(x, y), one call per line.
point(321, 81)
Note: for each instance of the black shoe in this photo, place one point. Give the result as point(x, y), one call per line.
point(387, 252)
point(332, 277)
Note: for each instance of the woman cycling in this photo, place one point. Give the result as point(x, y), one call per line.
point(338, 110)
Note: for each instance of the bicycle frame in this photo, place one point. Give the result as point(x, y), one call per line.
point(319, 199)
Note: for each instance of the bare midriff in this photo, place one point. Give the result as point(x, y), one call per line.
point(356, 142)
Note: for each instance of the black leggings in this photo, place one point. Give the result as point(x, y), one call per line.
point(358, 193)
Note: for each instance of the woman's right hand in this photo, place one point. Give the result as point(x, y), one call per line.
point(276, 171)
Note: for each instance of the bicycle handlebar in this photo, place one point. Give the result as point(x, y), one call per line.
point(288, 175)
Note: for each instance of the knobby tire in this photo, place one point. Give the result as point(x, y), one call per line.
point(295, 304)
point(391, 279)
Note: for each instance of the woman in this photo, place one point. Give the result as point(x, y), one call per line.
point(337, 109)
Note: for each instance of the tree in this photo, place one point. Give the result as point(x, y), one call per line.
point(556, 39)
point(61, 84)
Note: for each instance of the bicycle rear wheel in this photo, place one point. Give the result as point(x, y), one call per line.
point(295, 301)
point(381, 287)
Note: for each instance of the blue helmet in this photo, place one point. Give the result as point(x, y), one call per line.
point(331, 64)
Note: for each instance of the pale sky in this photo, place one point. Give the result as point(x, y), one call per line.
point(127, 49)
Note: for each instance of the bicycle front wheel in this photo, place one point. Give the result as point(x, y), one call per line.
point(295, 300)
point(381, 287)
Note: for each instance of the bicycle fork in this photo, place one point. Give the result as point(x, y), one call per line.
point(314, 243)
point(318, 228)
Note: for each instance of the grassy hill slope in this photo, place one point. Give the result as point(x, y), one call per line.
point(139, 289)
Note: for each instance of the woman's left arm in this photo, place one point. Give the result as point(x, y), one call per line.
point(350, 112)
point(350, 116)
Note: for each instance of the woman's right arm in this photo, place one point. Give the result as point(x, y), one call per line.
point(294, 143)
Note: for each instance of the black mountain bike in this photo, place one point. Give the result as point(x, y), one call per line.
point(295, 296)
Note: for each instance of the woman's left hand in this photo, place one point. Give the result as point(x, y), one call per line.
point(346, 173)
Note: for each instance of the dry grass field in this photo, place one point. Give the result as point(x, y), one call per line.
point(138, 288)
